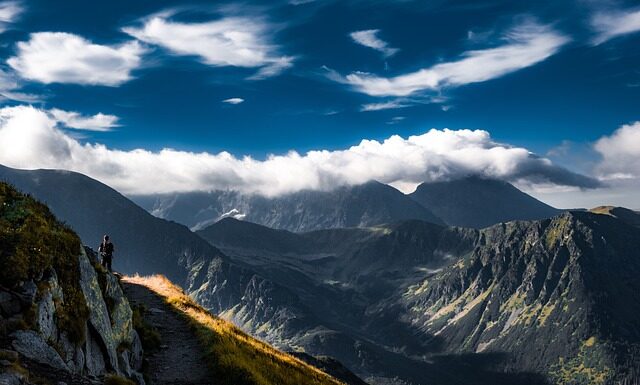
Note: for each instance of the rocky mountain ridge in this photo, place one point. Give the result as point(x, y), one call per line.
point(58, 307)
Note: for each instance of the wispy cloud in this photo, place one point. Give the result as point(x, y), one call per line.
point(59, 57)
point(30, 138)
point(9, 13)
point(525, 45)
point(396, 120)
point(228, 41)
point(388, 105)
point(613, 24)
point(233, 101)
point(72, 119)
point(369, 38)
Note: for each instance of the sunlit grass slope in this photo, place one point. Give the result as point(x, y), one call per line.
point(234, 357)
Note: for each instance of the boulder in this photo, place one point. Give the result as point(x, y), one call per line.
point(136, 356)
point(31, 345)
point(121, 313)
point(71, 354)
point(11, 378)
point(94, 359)
point(98, 314)
point(9, 304)
point(45, 321)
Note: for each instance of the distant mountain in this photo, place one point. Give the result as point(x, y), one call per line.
point(478, 202)
point(363, 205)
point(547, 301)
point(558, 296)
point(629, 216)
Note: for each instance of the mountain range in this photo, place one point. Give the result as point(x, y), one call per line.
point(409, 301)
point(347, 206)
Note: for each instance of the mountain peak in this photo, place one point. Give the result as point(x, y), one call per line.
point(476, 201)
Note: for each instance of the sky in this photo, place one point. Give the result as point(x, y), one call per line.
point(278, 96)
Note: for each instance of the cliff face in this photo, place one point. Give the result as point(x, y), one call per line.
point(61, 313)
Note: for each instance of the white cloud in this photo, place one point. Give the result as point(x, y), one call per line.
point(30, 139)
point(97, 122)
point(620, 153)
point(229, 41)
point(59, 57)
point(609, 25)
point(369, 38)
point(525, 46)
point(233, 101)
point(10, 88)
point(9, 13)
point(388, 105)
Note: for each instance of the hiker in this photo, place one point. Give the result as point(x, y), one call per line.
point(106, 251)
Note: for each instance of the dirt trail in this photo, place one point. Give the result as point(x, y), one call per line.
point(180, 361)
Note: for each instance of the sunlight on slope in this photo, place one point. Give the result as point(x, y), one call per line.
point(234, 356)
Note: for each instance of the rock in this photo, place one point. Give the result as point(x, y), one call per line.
point(121, 313)
point(11, 378)
point(72, 354)
point(5, 363)
point(138, 378)
point(94, 360)
point(31, 344)
point(136, 356)
point(98, 314)
point(9, 304)
point(45, 321)
point(29, 291)
point(123, 363)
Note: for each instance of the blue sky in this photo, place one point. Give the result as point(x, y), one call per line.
point(259, 78)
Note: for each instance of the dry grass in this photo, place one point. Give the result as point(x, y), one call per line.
point(234, 356)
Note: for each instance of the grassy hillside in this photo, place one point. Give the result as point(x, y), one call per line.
point(33, 241)
point(235, 357)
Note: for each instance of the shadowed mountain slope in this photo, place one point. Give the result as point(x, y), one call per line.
point(478, 202)
point(363, 205)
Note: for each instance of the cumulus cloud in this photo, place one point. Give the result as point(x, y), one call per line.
point(233, 101)
point(229, 41)
point(72, 119)
point(524, 46)
point(369, 38)
point(59, 57)
point(620, 153)
point(612, 24)
point(30, 138)
point(9, 13)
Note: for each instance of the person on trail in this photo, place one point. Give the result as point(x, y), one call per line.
point(106, 251)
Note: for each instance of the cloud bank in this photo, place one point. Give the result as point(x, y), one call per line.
point(524, 46)
point(30, 138)
point(369, 38)
point(229, 41)
point(60, 57)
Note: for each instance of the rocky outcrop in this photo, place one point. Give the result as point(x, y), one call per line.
point(110, 345)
